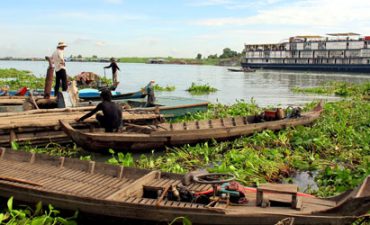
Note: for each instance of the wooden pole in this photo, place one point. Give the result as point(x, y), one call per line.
point(48, 79)
point(33, 100)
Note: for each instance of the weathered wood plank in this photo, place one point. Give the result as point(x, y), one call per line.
point(136, 185)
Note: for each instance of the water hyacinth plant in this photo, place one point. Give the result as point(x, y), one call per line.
point(215, 111)
point(336, 148)
point(200, 89)
point(338, 88)
point(26, 215)
point(157, 87)
point(16, 79)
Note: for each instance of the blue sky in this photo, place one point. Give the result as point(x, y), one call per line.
point(179, 28)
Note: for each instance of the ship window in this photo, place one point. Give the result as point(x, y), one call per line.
point(295, 61)
point(368, 61)
point(267, 60)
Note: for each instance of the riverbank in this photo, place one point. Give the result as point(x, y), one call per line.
point(149, 60)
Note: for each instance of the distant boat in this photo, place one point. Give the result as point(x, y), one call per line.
point(241, 70)
point(125, 192)
point(338, 52)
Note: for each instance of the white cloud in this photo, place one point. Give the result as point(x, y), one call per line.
point(322, 13)
point(233, 4)
point(100, 43)
point(104, 17)
point(89, 42)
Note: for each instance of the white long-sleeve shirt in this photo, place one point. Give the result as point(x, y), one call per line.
point(58, 59)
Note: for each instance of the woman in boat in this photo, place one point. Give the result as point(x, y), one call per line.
point(111, 119)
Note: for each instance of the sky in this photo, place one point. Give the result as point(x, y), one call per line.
point(176, 28)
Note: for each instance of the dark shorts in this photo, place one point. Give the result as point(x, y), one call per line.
point(107, 124)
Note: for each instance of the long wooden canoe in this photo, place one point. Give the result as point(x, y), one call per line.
point(96, 96)
point(123, 192)
point(241, 70)
point(172, 134)
point(41, 126)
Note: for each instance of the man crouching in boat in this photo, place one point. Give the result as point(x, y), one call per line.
point(111, 119)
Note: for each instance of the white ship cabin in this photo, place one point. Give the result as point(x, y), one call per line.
point(334, 48)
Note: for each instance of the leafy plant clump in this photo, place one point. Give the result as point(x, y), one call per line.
point(39, 216)
point(216, 111)
point(157, 87)
point(16, 79)
point(199, 89)
point(52, 148)
point(338, 88)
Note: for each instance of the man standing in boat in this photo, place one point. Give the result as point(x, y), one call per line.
point(60, 68)
point(115, 69)
point(111, 119)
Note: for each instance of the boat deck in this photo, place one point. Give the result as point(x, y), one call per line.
point(93, 180)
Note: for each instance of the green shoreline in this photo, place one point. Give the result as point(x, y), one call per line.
point(163, 60)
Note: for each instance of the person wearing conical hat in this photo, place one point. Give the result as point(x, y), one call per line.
point(115, 69)
point(60, 68)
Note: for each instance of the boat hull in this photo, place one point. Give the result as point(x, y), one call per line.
point(166, 134)
point(94, 95)
point(108, 190)
point(310, 67)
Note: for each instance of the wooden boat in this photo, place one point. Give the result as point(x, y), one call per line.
point(91, 95)
point(124, 192)
point(170, 106)
point(241, 70)
point(38, 127)
point(42, 126)
point(168, 134)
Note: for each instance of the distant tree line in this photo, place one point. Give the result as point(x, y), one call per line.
point(226, 54)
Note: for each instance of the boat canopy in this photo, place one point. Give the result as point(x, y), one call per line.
point(308, 36)
point(344, 34)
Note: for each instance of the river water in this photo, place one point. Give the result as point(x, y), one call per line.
point(266, 87)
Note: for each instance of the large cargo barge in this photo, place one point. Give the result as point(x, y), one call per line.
point(347, 52)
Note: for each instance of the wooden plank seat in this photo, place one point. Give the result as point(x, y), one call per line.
point(288, 189)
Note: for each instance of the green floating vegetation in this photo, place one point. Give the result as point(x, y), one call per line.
point(199, 89)
point(338, 88)
point(336, 148)
point(39, 216)
point(54, 149)
point(157, 87)
point(215, 111)
point(16, 79)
